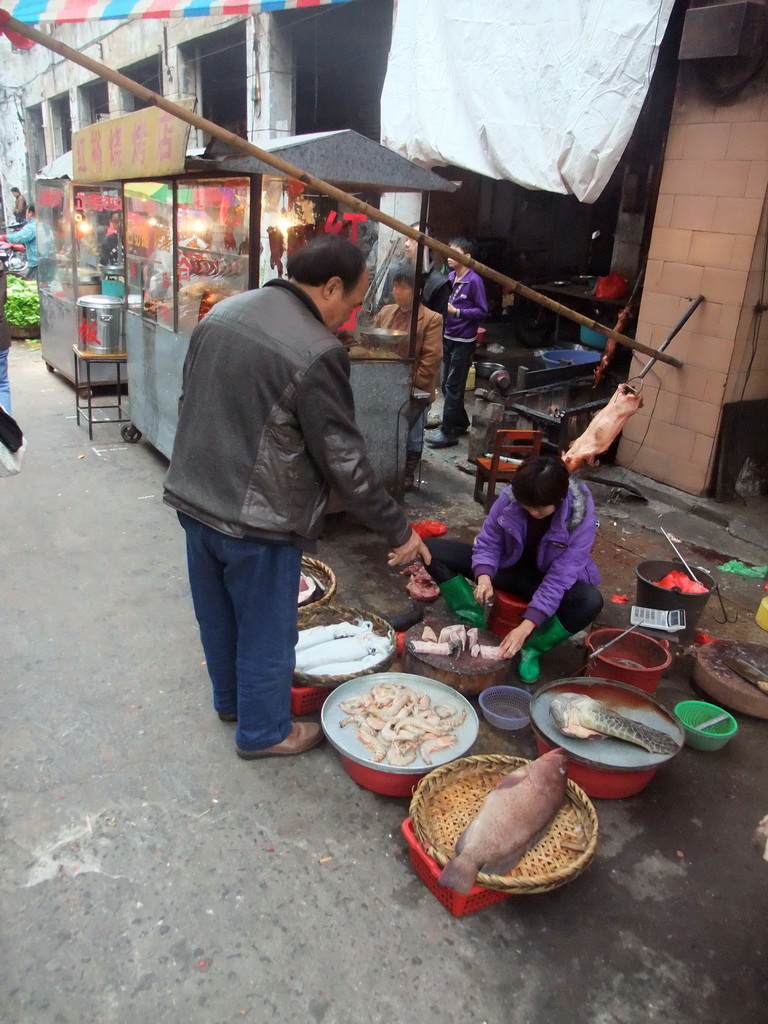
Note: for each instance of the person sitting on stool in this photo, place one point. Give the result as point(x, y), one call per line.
point(467, 306)
point(535, 543)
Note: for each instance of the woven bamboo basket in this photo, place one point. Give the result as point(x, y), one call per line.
point(326, 615)
point(446, 800)
point(325, 574)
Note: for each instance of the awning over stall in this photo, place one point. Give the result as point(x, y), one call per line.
point(35, 12)
point(342, 156)
point(544, 93)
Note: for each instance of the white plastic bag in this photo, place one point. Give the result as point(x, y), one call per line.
point(10, 462)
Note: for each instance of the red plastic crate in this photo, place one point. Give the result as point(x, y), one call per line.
point(307, 699)
point(429, 870)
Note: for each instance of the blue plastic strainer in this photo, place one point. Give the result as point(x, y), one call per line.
point(506, 707)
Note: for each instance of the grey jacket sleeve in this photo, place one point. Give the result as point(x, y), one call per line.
point(326, 412)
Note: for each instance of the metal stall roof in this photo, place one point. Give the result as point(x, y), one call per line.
point(343, 157)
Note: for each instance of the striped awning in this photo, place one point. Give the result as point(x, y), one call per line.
point(34, 12)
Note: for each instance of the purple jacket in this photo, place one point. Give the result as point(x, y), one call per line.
point(468, 296)
point(563, 554)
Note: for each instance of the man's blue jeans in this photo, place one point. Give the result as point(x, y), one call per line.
point(5, 385)
point(245, 594)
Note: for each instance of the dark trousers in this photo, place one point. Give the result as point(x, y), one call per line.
point(457, 359)
point(245, 594)
point(580, 606)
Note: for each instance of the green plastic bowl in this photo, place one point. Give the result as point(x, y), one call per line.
point(693, 712)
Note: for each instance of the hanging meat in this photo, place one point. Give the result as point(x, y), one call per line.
point(605, 427)
point(276, 250)
point(626, 313)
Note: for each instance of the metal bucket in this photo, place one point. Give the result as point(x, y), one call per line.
point(649, 595)
point(100, 325)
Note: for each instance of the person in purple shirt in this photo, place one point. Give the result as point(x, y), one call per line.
point(536, 544)
point(467, 307)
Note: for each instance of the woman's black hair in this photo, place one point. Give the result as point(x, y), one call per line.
point(465, 244)
point(404, 275)
point(323, 258)
point(31, 208)
point(541, 480)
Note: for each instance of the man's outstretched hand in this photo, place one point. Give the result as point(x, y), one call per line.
point(413, 548)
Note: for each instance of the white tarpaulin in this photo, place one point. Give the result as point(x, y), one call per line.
point(541, 92)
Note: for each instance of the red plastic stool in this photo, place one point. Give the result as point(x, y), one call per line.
point(507, 612)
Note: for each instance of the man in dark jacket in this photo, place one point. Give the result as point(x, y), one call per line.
point(266, 428)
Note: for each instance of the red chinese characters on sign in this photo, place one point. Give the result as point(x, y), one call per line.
point(96, 153)
point(95, 201)
point(50, 197)
point(349, 226)
point(184, 269)
point(88, 334)
point(115, 142)
point(139, 143)
point(81, 156)
point(165, 140)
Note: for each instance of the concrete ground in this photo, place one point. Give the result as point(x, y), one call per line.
point(147, 874)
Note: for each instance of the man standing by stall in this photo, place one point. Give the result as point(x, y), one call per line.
point(467, 307)
point(266, 428)
point(28, 236)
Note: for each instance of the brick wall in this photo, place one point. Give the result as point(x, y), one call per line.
point(708, 238)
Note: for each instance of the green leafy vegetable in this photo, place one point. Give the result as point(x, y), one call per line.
point(22, 307)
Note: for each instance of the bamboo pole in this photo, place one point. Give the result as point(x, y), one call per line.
point(325, 187)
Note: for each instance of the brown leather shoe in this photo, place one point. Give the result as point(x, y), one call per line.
point(303, 736)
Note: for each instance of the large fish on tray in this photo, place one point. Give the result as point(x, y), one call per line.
point(512, 819)
point(577, 715)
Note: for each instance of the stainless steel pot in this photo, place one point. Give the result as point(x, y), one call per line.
point(100, 326)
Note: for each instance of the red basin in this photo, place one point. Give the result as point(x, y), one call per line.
point(380, 781)
point(651, 658)
point(601, 782)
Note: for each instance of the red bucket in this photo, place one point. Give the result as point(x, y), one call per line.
point(636, 659)
point(507, 612)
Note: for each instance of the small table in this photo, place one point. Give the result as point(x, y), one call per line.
point(577, 296)
point(118, 359)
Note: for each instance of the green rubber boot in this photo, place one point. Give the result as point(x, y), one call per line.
point(549, 634)
point(460, 598)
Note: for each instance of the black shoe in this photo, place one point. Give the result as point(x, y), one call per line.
point(226, 716)
point(442, 440)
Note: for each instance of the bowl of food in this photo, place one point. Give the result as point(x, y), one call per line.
point(707, 727)
point(389, 754)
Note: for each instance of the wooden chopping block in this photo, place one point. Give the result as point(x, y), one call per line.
point(464, 673)
point(722, 684)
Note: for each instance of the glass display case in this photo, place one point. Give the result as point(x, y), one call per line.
point(151, 281)
point(292, 214)
point(98, 223)
point(212, 231)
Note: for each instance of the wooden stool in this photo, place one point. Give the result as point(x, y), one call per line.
point(507, 612)
point(119, 359)
point(510, 449)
